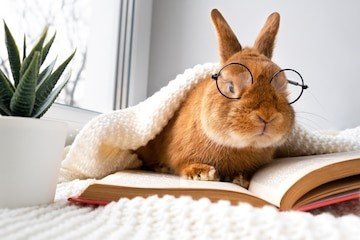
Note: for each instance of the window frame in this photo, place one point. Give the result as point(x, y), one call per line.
point(131, 77)
point(133, 52)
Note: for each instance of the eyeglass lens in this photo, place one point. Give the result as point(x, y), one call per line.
point(230, 82)
point(295, 83)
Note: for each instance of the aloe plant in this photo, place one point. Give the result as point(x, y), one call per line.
point(33, 88)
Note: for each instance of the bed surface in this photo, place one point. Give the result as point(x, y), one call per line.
point(179, 218)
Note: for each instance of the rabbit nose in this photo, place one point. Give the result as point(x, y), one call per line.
point(265, 119)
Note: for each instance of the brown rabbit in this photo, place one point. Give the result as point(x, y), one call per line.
point(212, 136)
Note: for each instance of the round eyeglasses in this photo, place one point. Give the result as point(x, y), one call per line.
point(232, 88)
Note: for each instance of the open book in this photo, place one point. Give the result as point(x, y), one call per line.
point(301, 183)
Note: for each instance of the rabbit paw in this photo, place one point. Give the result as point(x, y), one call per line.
point(199, 171)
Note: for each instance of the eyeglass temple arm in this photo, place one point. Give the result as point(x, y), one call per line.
point(297, 84)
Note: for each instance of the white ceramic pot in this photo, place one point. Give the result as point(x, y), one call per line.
point(30, 157)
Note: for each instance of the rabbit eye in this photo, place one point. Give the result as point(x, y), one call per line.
point(230, 87)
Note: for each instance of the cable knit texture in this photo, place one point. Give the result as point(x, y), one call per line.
point(104, 145)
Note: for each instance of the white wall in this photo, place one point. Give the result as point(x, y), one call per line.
point(321, 39)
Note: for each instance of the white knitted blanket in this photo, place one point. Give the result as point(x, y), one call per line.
point(172, 218)
point(103, 145)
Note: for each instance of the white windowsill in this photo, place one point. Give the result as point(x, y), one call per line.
point(76, 118)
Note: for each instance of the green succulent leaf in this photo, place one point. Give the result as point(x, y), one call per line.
point(6, 91)
point(22, 102)
point(45, 88)
point(33, 91)
point(24, 48)
point(13, 53)
point(37, 48)
point(46, 72)
point(50, 100)
point(4, 110)
point(45, 50)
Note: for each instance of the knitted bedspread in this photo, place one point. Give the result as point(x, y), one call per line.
point(173, 218)
point(104, 145)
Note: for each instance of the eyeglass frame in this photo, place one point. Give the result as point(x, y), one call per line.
point(302, 85)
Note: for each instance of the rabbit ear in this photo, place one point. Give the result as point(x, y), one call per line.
point(228, 43)
point(266, 38)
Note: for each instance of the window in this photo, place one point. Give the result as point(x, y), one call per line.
point(72, 22)
point(112, 39)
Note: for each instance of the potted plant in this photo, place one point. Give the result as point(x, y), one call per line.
point(30, 148)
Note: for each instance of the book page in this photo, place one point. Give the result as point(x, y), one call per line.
point(272, 181)
point(143, 179)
